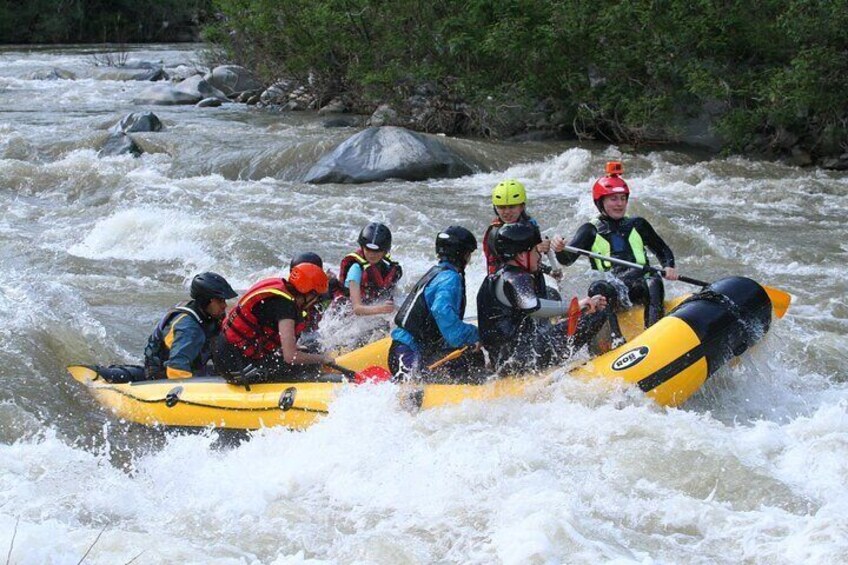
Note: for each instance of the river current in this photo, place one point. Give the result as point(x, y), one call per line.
point(93, 250)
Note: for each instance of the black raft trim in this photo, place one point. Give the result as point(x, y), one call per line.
point(671, 370)
point(274, 408)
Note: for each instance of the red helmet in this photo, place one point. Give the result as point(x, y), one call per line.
point(605, 186)
point(306, 278)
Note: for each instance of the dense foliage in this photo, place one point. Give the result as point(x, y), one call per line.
point(100, 21)
point(767, 72)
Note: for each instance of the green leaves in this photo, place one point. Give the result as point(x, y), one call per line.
point(629, 71)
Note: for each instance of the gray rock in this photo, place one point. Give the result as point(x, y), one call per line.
point(121, 73)
point(209, 103)
point(133, 63)
point(190, 91)
point(52, 74)
point(233, 80)
point(336, 106)
point(276, 93)
point(835, 163)
point(119, 144)
point(377, 154)
point(138, 122)
point(197, 86)
point(165, 95)
point(384, 115)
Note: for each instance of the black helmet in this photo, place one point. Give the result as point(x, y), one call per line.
point(454, 243)
point(307, 257)
point(376, 237)
point(513, 239)
point(206, 286)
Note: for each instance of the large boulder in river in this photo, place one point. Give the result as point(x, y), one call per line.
point(377, 154)
point(232, 80)
point(190, 91)
point(138, 122)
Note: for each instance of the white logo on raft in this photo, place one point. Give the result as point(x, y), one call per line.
point(630, 358)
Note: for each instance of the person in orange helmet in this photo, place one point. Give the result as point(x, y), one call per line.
point(258, 340)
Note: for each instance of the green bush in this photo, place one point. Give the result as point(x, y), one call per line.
point(628, 71)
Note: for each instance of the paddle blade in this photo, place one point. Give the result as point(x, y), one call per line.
point(573, 316)
point(780, 300)
point(372, 375)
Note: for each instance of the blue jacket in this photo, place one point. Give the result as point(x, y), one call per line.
point(444, 297)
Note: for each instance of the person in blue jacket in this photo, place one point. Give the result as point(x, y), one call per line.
point(180, 345)
point(429, 323)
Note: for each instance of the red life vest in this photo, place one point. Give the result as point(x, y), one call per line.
point(378, 281)
point(492, 263)
point(242, 328)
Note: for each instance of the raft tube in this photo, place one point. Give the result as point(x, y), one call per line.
point(669, 361)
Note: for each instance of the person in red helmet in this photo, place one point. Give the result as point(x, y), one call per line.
point(258, 340)
point(615, 234)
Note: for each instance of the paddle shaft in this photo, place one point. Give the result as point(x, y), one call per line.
point(343, 370)
point(449, 357)
point(624, 263)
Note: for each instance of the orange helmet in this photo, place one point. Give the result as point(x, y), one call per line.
point(306, 278)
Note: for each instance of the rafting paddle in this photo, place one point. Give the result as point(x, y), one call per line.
point(780, 299)
point(455, 354)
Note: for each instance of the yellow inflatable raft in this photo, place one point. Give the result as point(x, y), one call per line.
point(669, 361)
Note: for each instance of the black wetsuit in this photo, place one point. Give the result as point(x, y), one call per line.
point(619, 235)
point(516, 340)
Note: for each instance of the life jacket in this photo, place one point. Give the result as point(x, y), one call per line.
point(493, 263)
point(509, 334)
point(243, 330)
point(623, 242)
point(415, 316)
point(378, 281)
point(157, 351)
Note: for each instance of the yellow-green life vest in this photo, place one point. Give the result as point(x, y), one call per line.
point(602, 246)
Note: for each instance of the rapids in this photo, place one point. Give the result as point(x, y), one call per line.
point(92, 252)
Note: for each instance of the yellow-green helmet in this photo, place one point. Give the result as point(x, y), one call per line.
point(509, 192)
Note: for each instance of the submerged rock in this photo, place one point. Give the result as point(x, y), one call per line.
point(140, 74)
point(377, 154)
point(138, 122)
point(52, 74)
point(190, 91)
point(119, 143)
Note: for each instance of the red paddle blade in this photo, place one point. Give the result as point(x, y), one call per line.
point(372, 375)
point(573, 316)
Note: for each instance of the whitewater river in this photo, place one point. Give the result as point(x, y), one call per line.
point(92, 251)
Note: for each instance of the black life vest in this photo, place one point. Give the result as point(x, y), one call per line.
point(415, 316)
point(504, 328)
point(378, 281)
point(157, 352)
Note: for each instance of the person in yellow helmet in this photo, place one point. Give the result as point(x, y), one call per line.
point(509, 201)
